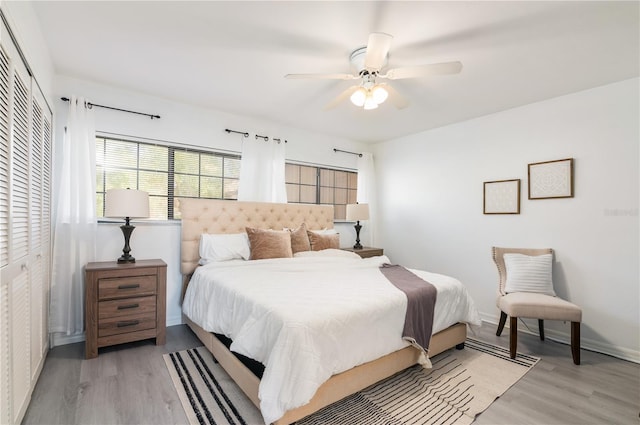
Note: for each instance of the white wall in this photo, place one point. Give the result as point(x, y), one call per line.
point(191, 125)
point(431, 194)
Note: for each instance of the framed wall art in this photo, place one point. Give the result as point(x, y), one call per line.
point(551, 179)
point(502, 197)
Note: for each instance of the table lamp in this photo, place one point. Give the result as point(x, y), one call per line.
point(127, 204)
point(357, 212)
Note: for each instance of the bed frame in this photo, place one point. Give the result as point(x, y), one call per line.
point(217, 216)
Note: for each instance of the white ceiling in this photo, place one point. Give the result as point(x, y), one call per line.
point(232, 56)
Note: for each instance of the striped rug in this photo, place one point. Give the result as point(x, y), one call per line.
point(461, 384)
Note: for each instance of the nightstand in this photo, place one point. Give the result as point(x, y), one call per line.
point(366, 251)
point(124, 303)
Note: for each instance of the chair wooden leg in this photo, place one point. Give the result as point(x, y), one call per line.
point(575, 342)
point(513, 337)
point(541, 329)
point(503, 320)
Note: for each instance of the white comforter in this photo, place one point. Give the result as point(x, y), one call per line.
point(309, 318)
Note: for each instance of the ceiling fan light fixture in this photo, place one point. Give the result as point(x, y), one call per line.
point(370, 103)
point(367, 65)
point(379, 94)
point(359, 97)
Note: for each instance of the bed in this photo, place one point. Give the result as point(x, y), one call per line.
point(232, 217)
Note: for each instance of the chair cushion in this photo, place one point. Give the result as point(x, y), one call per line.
point(539, 306)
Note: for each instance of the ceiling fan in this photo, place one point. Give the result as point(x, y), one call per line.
point(368, 63)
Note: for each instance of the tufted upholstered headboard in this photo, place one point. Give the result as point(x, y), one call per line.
point(217, 216)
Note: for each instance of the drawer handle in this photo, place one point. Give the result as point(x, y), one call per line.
point(124, 307)
point(130, 286)
point(128, 323)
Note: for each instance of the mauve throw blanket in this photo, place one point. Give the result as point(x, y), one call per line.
point(421, 302)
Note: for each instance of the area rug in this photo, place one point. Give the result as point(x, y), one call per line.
point(461, 384)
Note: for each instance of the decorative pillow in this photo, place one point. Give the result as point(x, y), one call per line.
point(320, 242)
point(299, 239)
point(223, 247)
point(269, 244)
point(529, 273)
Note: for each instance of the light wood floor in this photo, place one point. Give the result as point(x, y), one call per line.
point(129, 384)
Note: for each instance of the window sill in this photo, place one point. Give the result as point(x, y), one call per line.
point(141, 222)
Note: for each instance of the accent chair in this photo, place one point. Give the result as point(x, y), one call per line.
point(525, 295)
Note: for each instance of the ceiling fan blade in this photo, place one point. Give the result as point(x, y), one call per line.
point(377, 50)
point(423, 71)
point(396, 98)
point(321, 76)
point(341, 97)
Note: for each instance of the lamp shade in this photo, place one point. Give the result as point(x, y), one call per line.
point(379, 94)
point(359, 96)
point(357, 212)
point(121, 203)
point(370, 103)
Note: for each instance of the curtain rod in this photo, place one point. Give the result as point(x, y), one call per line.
point(245, 134)
point(66, 99)
point(352, 153)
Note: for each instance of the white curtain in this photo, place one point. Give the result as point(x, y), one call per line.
point(75, 219)
point(367, 194)
point(262, 171)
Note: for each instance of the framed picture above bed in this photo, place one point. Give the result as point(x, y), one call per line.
point(502, 197)
point(551, 179)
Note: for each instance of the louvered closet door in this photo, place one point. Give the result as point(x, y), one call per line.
point(4, 158)
point(45, 231)
point(38, 244)
point(25, 166)
point(19, 241)
point(17, 272)
point(5, 346)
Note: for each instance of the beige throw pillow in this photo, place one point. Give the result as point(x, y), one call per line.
point(269, 244)
point(299, 239)
point(320, 242)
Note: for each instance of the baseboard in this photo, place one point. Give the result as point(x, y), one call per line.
point(62, 339)
point(175, 320)
point(565, 338)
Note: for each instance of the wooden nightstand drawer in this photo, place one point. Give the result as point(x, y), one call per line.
point(126, 307)
point(126, 287)
point(121, 325)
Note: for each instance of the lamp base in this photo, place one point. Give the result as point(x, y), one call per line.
point(357, 227)
point(127, 229)
point(124, 260)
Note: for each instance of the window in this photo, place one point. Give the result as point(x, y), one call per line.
point(165, 172)
point(316, 185)
point(168, 173)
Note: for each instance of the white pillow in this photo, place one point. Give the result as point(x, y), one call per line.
point(529, 273)
point(329, 252)
point(223, 247)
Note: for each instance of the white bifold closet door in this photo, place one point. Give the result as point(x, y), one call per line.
point(25, 180)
